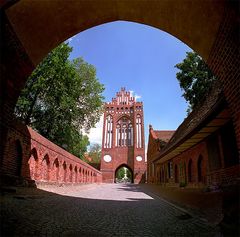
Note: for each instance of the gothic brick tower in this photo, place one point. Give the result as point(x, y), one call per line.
point(123, 138)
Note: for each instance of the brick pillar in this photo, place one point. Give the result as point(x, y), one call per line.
point(15, 67)
point(224, 60)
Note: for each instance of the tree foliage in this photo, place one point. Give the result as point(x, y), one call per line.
point(195, 78)
point(61, 99)
point(121, 173)
point(95, 153)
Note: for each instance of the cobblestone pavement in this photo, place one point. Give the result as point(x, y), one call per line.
point(96, 211)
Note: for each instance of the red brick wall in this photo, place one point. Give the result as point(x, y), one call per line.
point(152, 150)
point(222, 176)
point(155, 139)
point(42, 160)
point(224, 60)
point(183, 160)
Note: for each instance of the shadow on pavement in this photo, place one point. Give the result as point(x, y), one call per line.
point(35, 212)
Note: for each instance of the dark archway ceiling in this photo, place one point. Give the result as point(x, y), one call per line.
point(42, 25)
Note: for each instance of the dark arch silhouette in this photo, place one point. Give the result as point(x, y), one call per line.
point(121, 166)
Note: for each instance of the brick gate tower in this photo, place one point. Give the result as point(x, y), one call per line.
point(123, 138)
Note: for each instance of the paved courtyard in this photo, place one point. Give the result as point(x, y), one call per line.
point(96, 211)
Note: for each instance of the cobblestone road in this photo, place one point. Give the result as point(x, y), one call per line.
point(96, 211)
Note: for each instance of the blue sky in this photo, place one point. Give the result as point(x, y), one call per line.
point(142, 59)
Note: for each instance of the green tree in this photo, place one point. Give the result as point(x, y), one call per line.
point(120, 173)
point(95, 153)
point(195, 79)
point(61, 99)
point(129, 174)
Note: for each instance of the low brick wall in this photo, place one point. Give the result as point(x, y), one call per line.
point(33, 158)
point(227, 176)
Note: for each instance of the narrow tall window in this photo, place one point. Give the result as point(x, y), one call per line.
point(130, 135)
point(108, 132)
point(124, 135)
point(117, 135)
point(139, 131)
point(124, 132)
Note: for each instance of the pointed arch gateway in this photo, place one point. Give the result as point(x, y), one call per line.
point(126, 174)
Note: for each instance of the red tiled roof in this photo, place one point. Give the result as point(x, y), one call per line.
point(164, 135)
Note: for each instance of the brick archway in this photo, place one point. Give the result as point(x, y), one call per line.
point(25, 39)
point(122, 166)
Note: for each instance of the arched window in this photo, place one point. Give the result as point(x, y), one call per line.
point(200, 168)
point(124, 132)
point(130, 135)
point(124, 135)
point(190, 171)
point(118, 136)
point(139, 131)
point(108, 132)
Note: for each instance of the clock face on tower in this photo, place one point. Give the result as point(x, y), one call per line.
point(107, 158)
point(139, 158)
